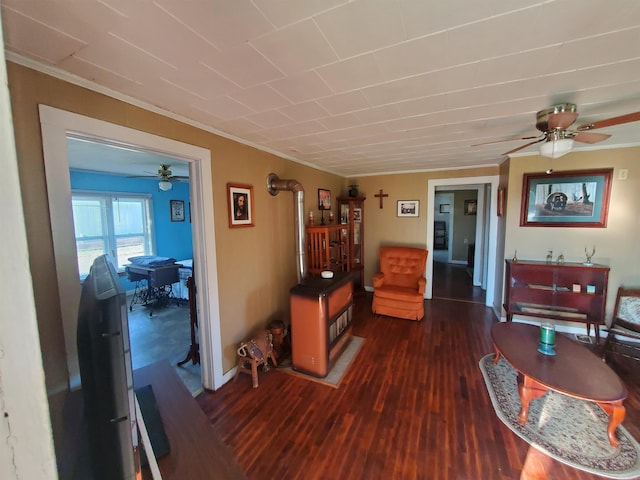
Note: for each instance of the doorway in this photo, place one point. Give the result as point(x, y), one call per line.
point(126, 190)
point(454, 232)
point(55, 125)
point(484, 261)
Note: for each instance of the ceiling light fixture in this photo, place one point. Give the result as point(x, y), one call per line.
point(558, 143)
point(165, 185)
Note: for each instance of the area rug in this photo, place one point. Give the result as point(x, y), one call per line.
point(569, 430)
point(336, 374)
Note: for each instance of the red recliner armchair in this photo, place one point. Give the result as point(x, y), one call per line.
point(398, 290)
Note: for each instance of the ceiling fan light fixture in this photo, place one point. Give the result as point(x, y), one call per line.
point(556, 148)
point(165, 185)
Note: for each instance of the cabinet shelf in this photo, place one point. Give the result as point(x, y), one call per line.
point(351, 214)
point(542, 290)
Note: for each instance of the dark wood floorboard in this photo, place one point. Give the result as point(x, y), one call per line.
point(453, 281)
point(413, 405)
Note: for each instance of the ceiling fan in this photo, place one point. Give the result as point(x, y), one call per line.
point(558, 140)
point(165, 177)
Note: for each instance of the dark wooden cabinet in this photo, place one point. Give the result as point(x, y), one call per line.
point(327, 248)
point(571, 292)
point(351, 213)
point(321, 311)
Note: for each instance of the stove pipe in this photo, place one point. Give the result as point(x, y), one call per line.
point(274, 185)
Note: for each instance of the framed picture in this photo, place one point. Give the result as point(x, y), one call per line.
point(240, 198)
point(470, 207)
point(357, 215)
point(177, 210)
point(324, 199)
point(578, 198)
point(445, 208)
point(408, 208)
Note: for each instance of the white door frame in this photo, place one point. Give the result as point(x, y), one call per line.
point(485, 217)
point(55, 124)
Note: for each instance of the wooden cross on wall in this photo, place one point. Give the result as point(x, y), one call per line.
point(381, 196)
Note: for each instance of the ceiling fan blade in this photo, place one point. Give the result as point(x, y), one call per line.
point(561, 120)
point(506, 140)
point(590, 137)
point(523, 146)
point(609, 122)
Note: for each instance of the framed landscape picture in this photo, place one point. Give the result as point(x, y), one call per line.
point(408, 208)
point(577, 198)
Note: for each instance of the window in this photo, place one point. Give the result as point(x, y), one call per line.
point(118, 225)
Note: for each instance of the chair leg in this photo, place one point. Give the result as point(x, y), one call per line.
point(607, 342)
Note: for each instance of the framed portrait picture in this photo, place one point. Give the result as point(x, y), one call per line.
point(177, 210)
point(240, 198)
point(470, 207)
point(324, 199)
point(408, 208)
point(578, 198)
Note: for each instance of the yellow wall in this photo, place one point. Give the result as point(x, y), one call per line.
point(616, 245)
point(383, 226)
point(256, 266)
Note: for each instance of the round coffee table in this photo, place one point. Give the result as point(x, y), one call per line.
point(573, 371)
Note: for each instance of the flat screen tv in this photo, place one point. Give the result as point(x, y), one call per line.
point(104, 356)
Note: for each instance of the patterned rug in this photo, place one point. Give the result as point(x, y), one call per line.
point(572, 431)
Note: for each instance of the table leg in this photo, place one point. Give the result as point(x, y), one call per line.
point(616, 412)
point(528, 389)
point(497, 356)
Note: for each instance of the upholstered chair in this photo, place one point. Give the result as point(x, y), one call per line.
point(625, 324)
point(398, 289)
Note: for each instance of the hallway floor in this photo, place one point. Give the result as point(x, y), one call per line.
point(452, 281)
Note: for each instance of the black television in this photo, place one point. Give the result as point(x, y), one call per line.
point(104, 358)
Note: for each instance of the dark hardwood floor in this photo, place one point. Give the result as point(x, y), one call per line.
point(413, 405)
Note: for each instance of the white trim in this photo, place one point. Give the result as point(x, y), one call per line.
point(55, 124)
point(484, 212)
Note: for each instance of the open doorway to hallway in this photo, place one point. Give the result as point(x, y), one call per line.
point(454, 232)
point(483, 263)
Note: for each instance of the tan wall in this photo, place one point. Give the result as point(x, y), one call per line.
point(383, 226)
point(616, 245)
point(256, 266)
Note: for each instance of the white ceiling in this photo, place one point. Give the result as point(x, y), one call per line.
point(353, 87)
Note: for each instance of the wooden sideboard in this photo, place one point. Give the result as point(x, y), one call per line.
point(570, 292)
point(321, 312)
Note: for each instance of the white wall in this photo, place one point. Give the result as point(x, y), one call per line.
point(27, 445)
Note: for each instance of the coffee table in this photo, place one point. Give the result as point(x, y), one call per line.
point(573, 371)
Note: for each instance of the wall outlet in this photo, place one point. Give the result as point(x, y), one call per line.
point(622, 174)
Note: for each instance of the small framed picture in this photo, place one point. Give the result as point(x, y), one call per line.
point(357, 215)
point(240, 198)
point(470, 207)
point(408, 208)
point(324, 199)
point(177, 210)
point(445, 208)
